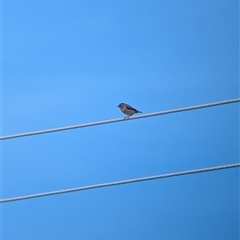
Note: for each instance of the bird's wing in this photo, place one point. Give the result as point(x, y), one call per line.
point(131, 108)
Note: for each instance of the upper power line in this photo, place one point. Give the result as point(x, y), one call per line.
point(213, 104)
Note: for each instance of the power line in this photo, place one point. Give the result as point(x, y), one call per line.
point(129, 181)
point(120, 119)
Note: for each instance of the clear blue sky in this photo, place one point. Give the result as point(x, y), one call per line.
point(71, 62)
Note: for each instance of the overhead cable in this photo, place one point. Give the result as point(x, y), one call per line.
point(213, 104)
point(111, 184)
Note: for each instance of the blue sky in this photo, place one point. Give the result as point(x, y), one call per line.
point(71, 62)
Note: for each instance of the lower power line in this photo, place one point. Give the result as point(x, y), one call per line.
point(111, 184)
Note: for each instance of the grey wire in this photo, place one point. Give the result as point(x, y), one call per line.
point(120, 119)
point(129, 181)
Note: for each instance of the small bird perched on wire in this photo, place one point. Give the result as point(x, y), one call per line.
point(127, 109)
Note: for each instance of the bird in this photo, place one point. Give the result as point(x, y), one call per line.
point(128, 110)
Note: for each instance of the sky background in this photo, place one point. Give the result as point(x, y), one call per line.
point(72, 62)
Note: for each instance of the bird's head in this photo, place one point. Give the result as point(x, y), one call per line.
point(121, 105)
